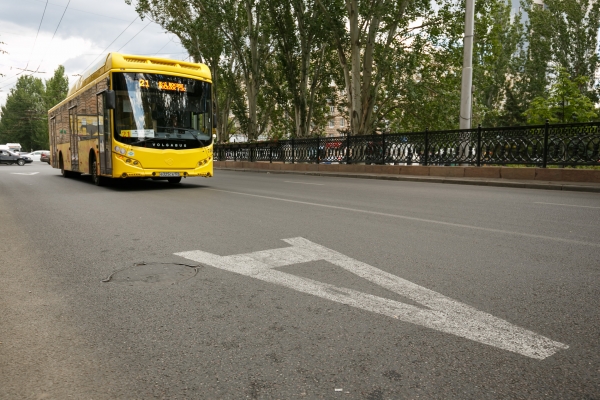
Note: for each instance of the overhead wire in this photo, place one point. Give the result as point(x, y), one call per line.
point(33, 48)
point(99, 54)
point(103, 51)
point(37, 34)
point(134, 36)
point(83, 11)
point(56, 30)
point(158, 52)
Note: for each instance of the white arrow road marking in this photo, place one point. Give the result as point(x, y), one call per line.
point(24, 173)
point(441, 313)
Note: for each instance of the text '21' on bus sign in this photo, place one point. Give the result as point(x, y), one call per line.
point(144, 83)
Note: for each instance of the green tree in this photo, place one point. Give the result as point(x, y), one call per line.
point(574, 26)
point(563, 103)
point(57, 88)
point(430, 98)
point(24, 118)
point(375, 42)
point(303, 64)
point(229, 36)
point(559, 33)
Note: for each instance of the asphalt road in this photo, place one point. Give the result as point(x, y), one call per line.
point(388, 290)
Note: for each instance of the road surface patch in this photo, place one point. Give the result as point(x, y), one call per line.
point(155, 274)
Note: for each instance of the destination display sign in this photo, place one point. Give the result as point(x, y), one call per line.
point(145, 83)
point(171, 86)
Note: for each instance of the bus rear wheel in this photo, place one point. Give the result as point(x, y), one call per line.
point(63, 171)
point(174, 180)
point(96, 178)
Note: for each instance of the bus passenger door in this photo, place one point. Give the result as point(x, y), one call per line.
point(104, 131)
point(53, 152)
point(74, 138)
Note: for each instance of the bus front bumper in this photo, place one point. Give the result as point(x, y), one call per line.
point(129, 168)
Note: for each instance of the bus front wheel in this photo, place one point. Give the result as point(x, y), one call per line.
point(174, 180)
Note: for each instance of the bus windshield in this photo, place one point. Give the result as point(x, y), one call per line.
point(162, 111)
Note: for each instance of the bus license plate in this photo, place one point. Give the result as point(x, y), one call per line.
point(168, 174)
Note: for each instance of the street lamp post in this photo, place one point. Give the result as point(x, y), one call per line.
point(467, 77)
point(467, 72)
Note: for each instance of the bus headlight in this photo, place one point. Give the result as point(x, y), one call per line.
point(204, 162)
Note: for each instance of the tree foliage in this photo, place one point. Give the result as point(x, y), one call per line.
point(564, 103)
point(279, 65)
point(57, 88)
point(559, 34)
point(24, 117)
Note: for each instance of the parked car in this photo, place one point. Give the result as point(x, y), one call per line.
point(45, 157)
point(8, 157)
point(36, 155)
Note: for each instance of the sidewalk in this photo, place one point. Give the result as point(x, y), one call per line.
point(499, 182)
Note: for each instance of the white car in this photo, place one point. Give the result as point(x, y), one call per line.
point(35, 155)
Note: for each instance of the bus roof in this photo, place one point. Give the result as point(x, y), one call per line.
point(125, 62)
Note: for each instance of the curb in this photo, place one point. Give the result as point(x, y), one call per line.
point(455, 181)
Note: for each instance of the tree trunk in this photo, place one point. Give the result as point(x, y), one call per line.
point(352, 7)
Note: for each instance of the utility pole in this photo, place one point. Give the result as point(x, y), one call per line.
point(467, 72)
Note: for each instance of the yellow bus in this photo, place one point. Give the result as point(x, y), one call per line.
point(132, 117)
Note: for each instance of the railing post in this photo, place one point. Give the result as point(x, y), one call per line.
point(235, 155)
point(318, 148)
point(348, 148)
point(373, 149)
point(250, 155)
point(293, 154)
point(426, 155)
point(270, 152)
point(383, 153)
point(545, 156)
point(479, 145)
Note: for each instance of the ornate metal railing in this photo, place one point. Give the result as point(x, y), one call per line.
point(539, 145)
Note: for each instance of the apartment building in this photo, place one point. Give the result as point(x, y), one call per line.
point(336, 123)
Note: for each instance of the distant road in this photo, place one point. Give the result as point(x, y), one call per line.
point(275, 286)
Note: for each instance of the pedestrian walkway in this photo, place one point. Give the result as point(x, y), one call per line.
point(498, 182)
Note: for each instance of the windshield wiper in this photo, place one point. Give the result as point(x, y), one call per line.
point(192, 131)
point(141, 141)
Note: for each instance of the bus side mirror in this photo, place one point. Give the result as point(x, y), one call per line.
point(215, 121)
point(111, 100)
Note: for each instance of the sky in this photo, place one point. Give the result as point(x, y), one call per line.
point(82, 37)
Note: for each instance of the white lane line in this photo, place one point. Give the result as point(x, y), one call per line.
point(24, 173)
point(564, 205)
point(438, 312)
point(306, 183)
point(430, 221)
